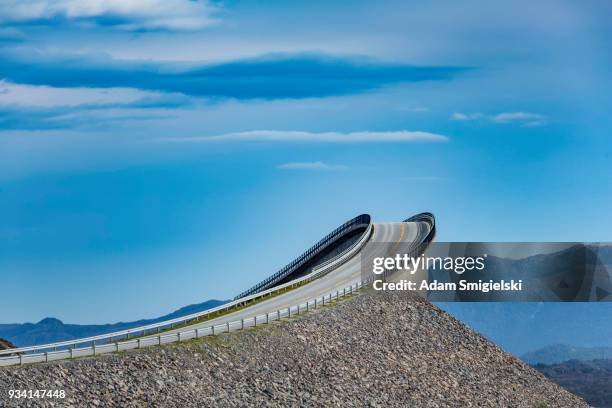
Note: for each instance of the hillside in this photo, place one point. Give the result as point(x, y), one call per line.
point(559, 353)
point(376, 349)
point(51, 330)
point(592, 380)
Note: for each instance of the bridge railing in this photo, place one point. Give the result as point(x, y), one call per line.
point(101, 340)
point(360, 221)
point(120, 341)
point(187, 334)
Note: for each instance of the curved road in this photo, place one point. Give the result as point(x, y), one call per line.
point(386, 238)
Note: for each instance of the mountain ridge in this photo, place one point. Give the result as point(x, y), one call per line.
point(51, 329)
point(559, 353)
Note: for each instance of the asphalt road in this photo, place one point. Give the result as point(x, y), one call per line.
point(386, 238)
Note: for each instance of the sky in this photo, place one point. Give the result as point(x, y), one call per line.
point(158, 153)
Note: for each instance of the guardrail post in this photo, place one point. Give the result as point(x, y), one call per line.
point(117, 347)
point(278, 314)
point(307, 306)
point(47, 357)
point(267, 318)
point(21, 359)
point(158, 341)
point(255, 321)
point(138, 344)
point(71, 353)
point(228, 327)
point(213, 329)
point(289, 309)
point(241, 324)
point(94, 349)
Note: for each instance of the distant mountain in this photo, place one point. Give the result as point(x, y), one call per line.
point(559, 353)
point(50, 330)
point(5, 344)
point(521, 327)
point(591, 380)
point(577, 273)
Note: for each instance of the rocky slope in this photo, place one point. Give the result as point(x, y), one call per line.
point(372, 350)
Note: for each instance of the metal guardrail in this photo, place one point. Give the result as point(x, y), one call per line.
point(169, 324)
point(428, 218)
point(360, 221)
point(37, 354)
point(160, 339)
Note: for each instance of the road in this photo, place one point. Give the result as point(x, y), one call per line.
point(386, 238)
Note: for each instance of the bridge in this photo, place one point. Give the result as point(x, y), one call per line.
point(328, 271)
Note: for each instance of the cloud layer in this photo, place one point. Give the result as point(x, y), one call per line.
point(323, 137)
point(268, 77)
point(525, 119)
point(130, 15)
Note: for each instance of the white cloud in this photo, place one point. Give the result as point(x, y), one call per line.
point(466, 116)
point(46, 96)
point(299, 136)
point(525, 119)
point(506, 117)
point(126, 14)
point(312, 166)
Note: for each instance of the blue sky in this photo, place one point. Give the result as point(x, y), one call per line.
point(159, 153)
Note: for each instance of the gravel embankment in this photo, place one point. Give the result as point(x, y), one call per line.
point(377, 350)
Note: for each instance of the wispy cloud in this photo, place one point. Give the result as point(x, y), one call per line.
point(507, 117)
point(401, 136)
point(82, 117)
point(525, 119)
point(42, 96)
point(132, 15)
point(278, 76)
point(28, 107)
point(466, 116)
point(312, 166)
